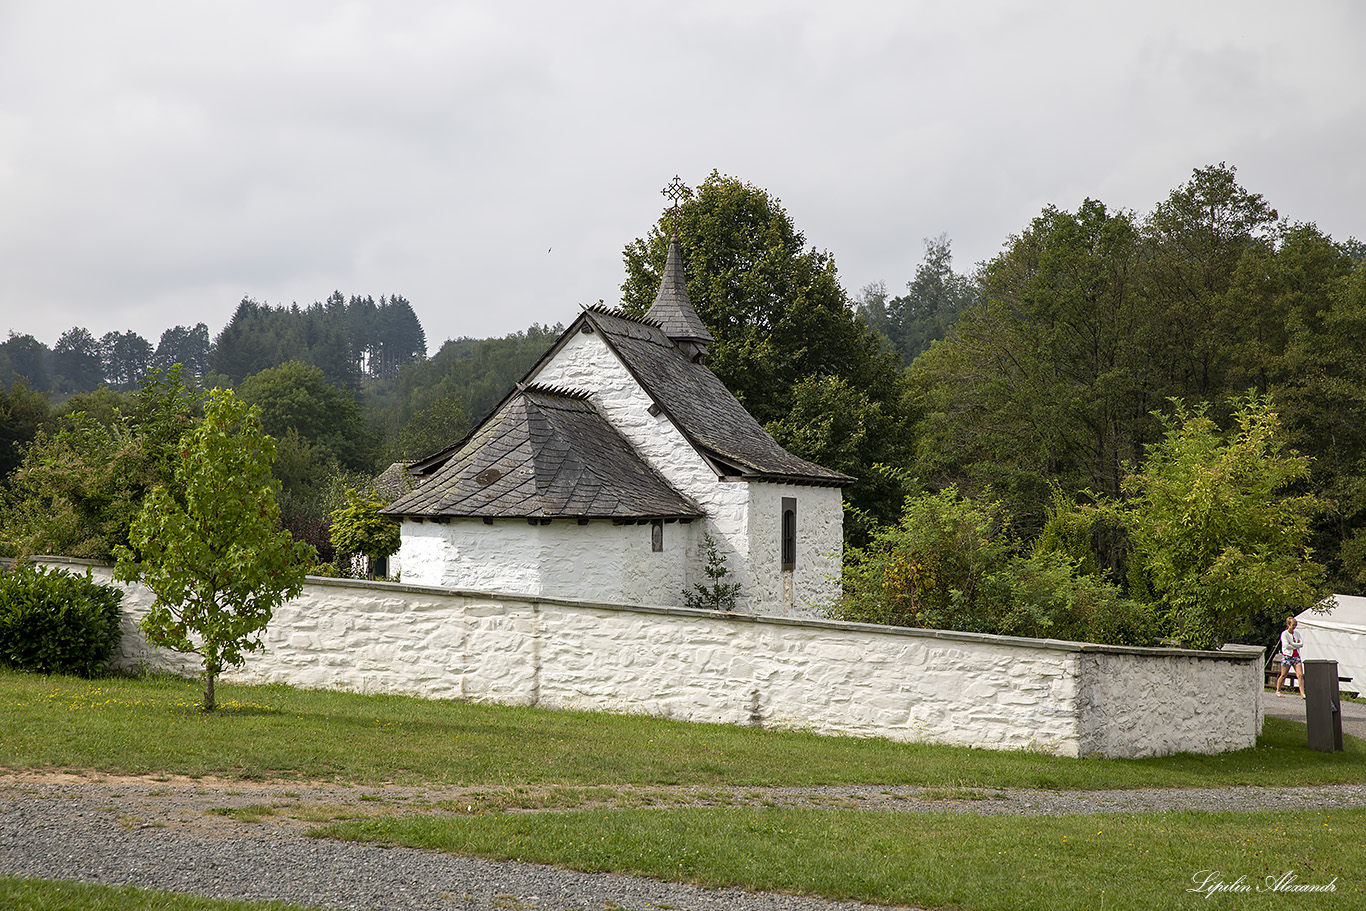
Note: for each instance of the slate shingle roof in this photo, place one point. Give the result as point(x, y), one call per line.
point(545, 453)
point(555, 456)
point(701, 406)
point(672, 310)
point(394, 482)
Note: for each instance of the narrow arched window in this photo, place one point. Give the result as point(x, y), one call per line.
point(789, 533)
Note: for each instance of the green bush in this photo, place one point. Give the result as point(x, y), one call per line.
point(359, 528)
point(57, 622)
point(932, 569)
point(1048, 596)
point(952, 563)
point(1220, 526)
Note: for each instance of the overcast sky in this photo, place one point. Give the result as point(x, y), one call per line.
point(490, 160)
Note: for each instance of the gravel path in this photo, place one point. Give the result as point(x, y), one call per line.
point(246, 840)
point(77, 838)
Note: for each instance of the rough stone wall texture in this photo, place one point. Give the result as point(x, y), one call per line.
point(835, 678)
point(1157, 704)
point(597, 562)
point(820, 538)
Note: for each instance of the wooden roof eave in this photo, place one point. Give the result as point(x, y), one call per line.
point(522, 517)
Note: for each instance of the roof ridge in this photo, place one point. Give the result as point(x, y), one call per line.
point(565, 392)
point(602, 308)
point(642, 320)
point(619, 312)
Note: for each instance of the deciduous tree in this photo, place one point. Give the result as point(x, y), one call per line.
point(932, 302)
point(1317, 291)
point(1220, 537)
point(24, 359)
point(1197, 238)
point(76, 363)
point(127, 357)
point(76, 491)
point(296, 396)
point(186, 347)
point(1052, 376)
point(779, 317)
point(358, 528)
point(774, 305)
point(83, 479)
point(212, 550)
point(22, 413)
point(431, 429)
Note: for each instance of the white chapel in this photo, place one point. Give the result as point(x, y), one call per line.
point(598, 477)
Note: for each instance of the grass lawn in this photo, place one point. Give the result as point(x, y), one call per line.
point(1120, 861)
point(45, 895)
point(1136, 861)
point(149, 726)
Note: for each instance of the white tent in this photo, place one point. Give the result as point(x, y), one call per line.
point(1339, 635)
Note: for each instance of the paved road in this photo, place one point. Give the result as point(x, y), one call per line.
point(1292, 707)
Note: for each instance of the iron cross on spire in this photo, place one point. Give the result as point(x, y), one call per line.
point(677, 191)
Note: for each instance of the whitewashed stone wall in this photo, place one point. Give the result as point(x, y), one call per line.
point(1062, 698)
point(585, 362)
point(1155, 702)
point(599, 561)
point(820, 539)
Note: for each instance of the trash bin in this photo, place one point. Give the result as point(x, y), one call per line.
point(1322, 705)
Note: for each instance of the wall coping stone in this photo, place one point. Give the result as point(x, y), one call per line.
point(1230, 652)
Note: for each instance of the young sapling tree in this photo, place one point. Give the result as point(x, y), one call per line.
point(213, 551)
point(721, 595)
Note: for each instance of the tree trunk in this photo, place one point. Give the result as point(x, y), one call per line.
point(209, 673)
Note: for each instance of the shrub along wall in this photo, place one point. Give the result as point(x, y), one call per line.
point(1064, 698)
point(56, 622)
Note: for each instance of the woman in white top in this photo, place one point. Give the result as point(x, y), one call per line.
point(1291, 643)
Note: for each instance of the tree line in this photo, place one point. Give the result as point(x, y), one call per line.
point(79, 362)
point(1028, 406)
point(75, 464)
point(348, 339)
point(1026, 411)
point(1092, 325)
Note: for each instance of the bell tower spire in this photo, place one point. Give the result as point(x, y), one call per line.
point(672, 309)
